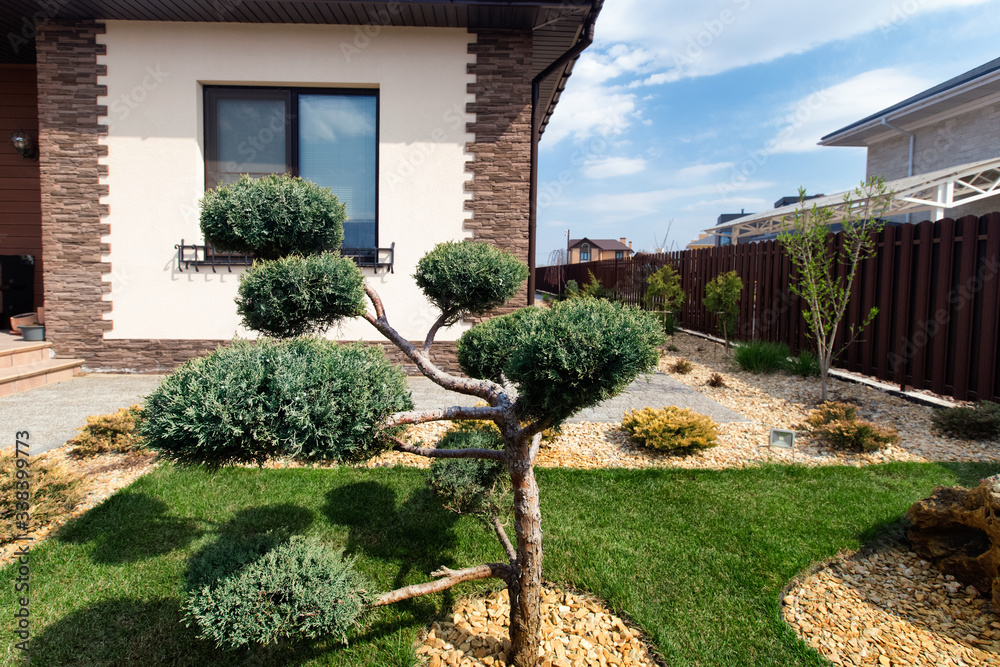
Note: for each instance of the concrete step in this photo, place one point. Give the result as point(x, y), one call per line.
point(15, 352)
point(26, 376)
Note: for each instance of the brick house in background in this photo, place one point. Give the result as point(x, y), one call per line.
point(422, 116)
point(595, 250)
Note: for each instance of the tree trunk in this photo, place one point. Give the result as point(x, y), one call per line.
point(525, 586)
point(824, 371)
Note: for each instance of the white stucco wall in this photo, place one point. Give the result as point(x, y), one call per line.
point(155, 74)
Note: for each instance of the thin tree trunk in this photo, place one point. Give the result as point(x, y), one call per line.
point(525, 585)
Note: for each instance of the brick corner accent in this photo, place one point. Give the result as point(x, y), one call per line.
point(501, 150)
point(69, 155)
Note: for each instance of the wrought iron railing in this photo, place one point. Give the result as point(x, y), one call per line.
point(193, 255)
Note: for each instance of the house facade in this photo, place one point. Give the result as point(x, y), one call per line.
point(595, 250)
point(417, 114)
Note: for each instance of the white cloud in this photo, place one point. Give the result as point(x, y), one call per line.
point(697, 39)
point(588, 111)
point(724, 203)
point(628, 206)
point(825, 111)
point(613, 166)
point(697, 172)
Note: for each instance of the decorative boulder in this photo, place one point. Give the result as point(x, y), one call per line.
point(958, 530)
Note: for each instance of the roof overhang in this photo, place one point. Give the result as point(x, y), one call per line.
point(935, 191)
point(977, 88)
point(556, 25)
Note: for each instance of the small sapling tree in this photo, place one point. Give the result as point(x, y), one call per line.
point(722, 297)
point(808, 242)
point(304, 399)
point(665, 284)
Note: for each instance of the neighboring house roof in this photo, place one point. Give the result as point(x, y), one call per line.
point(603, 244)
point(556, 25)
point(966, 90)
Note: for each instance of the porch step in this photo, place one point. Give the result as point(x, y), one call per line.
point(15, 352)
point(35, 374)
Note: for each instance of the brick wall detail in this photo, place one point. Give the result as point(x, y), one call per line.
point(69, 154)
point(502, 148)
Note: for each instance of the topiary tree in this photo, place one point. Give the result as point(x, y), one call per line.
point(532, 367)
point(722, 297)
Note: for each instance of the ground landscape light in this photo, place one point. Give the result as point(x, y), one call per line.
point(23, 144)
point(782, 438)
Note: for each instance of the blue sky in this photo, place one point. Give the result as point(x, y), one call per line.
point(685, 110)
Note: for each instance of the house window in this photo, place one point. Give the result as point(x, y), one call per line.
point(329, 136)
point(585, 253)
point(619, 254)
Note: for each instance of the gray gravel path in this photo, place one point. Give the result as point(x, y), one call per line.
point(53, 414)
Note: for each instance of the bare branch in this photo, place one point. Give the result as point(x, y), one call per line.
point(536, 441)
point(376, 302)
point(443, 414)
point(429, 341)
point(449, 578)
point(430, 452)
point(504, 540)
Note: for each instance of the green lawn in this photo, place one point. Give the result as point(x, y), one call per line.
point(696, 558)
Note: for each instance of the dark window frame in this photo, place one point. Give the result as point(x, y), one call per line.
point(619, 254)
point(585, 252)
point(290, 94)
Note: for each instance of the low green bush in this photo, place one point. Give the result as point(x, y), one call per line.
point(272, 216)
point(293, 296)
point(805, 364)
point(117, 432)
point(760, 356)
point(856, 435)
point(304, 398)
point(979, 422)
point(479, 487)
point(671, 429)
point(261, 590)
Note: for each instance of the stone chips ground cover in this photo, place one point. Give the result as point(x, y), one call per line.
point(883, 607)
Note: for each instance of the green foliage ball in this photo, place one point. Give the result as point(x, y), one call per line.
point(272, 216)
point(478, 487)
point(567, 358)
point(303, 398)
point(261, 591)
point(469, 278)
point(485, 349)
point(295, 295)
point(979, 422)
point(671, 429)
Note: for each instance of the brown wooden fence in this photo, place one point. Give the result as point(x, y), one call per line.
point(936, 286)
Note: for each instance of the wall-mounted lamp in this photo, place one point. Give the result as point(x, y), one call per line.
point(24, 144)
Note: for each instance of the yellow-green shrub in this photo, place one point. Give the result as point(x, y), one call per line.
point(857, 435)
point(117, 432)
point(831, 411)
point(54, 489)
point(670, 428)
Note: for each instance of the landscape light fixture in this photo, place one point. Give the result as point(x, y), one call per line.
point(782, 438)
point(24, 145)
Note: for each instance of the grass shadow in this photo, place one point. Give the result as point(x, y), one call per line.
point(129, 527)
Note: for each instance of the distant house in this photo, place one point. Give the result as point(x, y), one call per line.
point(593, 250)
point(939, 152)
point(704, 240)
point(423, 116)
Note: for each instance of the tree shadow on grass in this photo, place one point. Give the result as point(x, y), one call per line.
point(418, 535)
point(150, 633)
point(129, 527)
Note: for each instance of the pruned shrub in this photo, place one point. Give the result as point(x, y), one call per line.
point(473, 486)
point(670, 428)
point(466, 277)
point(682, 366)
point(979, 422)
point(804, 364)
point(117, 432)
point(483, 350)
point(272, 216)
point(672, 348)
point(303, 398)
point(856, 435)
point(295, 295)
point(759, 356)
point(837, 425)
point(594, 289)
point(716, 380)
point(831, 411)
point(261, 591)
point(54, 490)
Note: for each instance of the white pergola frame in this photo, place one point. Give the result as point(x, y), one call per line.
point(935, 191)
